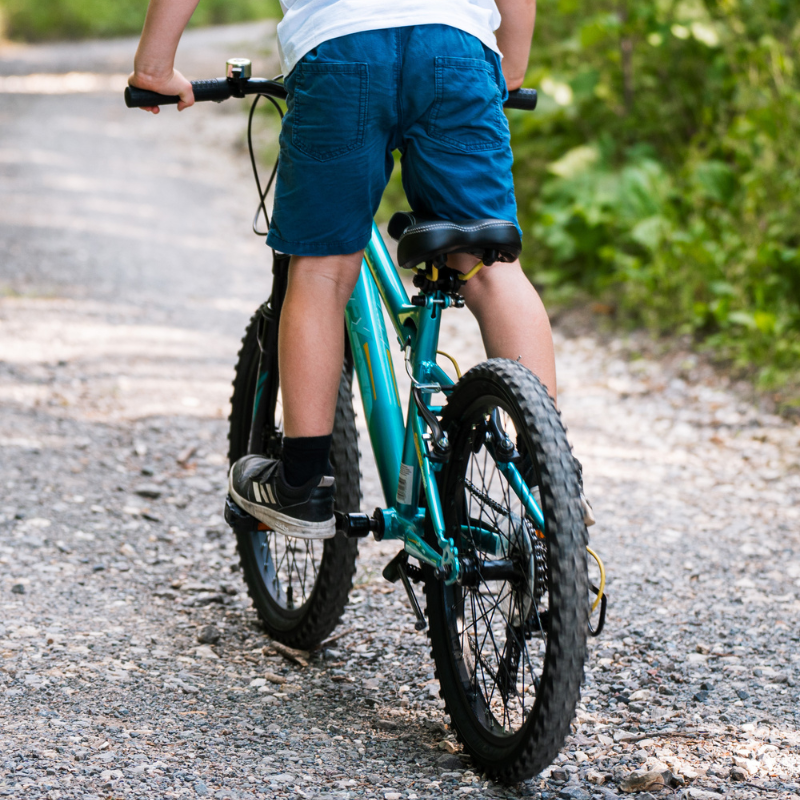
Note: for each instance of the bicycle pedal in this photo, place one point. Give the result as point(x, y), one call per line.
point(391, 572)
point(239, 520)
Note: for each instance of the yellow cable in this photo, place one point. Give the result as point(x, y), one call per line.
point(602, 577)
point(452, 360)
point(465, 276)
point(434, 274)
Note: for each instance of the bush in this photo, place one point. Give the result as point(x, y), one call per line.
point(662, 173)
point(37, 20)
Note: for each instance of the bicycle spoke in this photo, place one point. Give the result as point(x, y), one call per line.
point(494, 618)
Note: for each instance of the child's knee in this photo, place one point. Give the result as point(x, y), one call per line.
point(337, 274)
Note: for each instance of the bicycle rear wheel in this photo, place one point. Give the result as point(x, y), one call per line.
point(509, 653)
point(299, 587)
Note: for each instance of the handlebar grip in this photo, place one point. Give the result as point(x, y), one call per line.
point(214, 89)
point(524, 99)
point(138, 98)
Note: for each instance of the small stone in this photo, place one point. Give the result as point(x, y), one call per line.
point(749, 764)
point(700, 697)
point(742, 694)
point(209, 634)
point(605, 793)
point(595, 777)
point(185, 455)
point(642, 781)
point(18, 588)
point(205, 652)
point(449, 762)
point(201, 788)
point(270, 700)
point(392, 796)
point(574, 793)
point(738, 774)
point(149, 490)
point(558, 775)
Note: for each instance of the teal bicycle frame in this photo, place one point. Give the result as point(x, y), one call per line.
point(402, 450)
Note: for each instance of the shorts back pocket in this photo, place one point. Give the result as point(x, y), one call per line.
point(467, 112)
point(330, 108)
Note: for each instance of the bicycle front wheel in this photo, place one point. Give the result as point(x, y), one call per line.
point(510, 651)
point(299, 587)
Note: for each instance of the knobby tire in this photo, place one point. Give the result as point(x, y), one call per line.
point(320, 572)
point(512, 728)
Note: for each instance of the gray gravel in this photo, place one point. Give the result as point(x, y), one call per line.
point(131, 661)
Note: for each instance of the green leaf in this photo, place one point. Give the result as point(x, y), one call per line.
point(577, 160)
point(743, 318)
point(721, 288)
point(650, 232)
point(716, 180)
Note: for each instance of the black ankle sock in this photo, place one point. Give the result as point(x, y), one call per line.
point(304, 457)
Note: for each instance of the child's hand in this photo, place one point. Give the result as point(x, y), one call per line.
point(174, 84)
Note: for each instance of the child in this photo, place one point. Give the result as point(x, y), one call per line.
point(366, 77)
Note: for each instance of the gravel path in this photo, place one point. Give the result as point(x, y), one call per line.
point(131, 661)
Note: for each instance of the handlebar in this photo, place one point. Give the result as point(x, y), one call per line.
point(523, 99)
point(219, 89)
point(216, 89)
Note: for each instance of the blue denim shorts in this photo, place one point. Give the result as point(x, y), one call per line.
point(432, 92)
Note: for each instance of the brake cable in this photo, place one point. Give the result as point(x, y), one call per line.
point(262, 195)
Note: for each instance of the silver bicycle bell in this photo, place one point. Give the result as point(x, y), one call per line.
point(238, 68)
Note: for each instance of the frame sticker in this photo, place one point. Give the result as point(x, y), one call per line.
point(405, 485)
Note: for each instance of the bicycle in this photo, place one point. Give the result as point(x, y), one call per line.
point(481, 489)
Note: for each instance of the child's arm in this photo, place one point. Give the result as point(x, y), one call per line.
point(153, 65)
point(514, 38)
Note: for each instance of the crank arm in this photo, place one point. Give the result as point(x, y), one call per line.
point(396, 569)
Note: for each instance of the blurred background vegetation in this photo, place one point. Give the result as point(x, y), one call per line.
point(661, 173)
point(42, 20)
point(660, 176)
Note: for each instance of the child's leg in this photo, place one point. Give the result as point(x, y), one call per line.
point(512, 317)
point(294, 495)
point(311, 340)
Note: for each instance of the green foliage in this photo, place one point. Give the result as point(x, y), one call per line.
point(35, 20)
point(662, 173)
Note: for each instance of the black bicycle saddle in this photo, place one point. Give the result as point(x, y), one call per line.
point(423, 239)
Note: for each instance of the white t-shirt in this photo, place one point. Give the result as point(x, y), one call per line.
point(308, 23)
